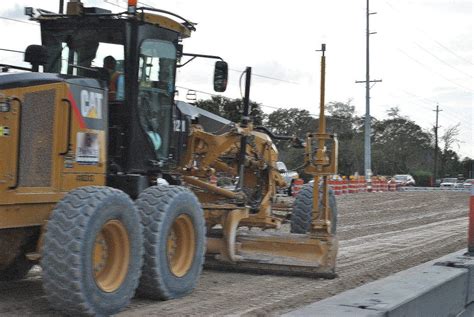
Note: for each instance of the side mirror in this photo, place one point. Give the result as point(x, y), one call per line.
point(221, 72)
point(37, 55)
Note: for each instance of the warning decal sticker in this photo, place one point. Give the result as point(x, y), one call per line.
point(87, 149)
point(4, 131)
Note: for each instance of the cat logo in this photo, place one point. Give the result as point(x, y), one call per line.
point(91, 104)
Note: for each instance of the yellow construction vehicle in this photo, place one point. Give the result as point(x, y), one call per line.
point(105, 179)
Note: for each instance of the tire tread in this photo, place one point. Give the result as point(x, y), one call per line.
point(61, 261)
point(153, 203)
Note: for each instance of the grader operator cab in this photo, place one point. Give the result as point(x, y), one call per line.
point(104, 179)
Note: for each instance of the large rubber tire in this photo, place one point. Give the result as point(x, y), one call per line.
point(163, 209)
point(93, 252)
point(17, 270)
point(302, 210)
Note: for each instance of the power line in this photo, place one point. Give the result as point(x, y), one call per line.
point(20, 21)
point(442, 61)
point(227, 98)
point(449, 115)
point(234, 70)
point(429, 102)
point(267, 77)
point(428, 35)
point(260, 104)
point(427, 67)
point(114, 4)
point(8, 50)
point(451, 51)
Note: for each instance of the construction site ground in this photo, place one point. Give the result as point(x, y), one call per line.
point(380, 234)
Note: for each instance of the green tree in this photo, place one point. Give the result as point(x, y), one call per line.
point(468, 167)
point(231, 109)
point(343, 122)
point(292, 122)
point(399, 145)
point(450, 164)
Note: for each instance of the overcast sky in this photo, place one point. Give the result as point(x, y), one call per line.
point(422, 51)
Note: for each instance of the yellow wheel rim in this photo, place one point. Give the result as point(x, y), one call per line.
point(181, 245)
point(111, 256)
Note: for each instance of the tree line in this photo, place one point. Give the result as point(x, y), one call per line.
point(399, 145)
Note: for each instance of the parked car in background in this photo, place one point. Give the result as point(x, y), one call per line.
point(468, 183)
point(449, 182)
point(403, 180)
point(289, 176)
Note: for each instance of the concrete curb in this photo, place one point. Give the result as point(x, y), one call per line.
point(433, 189)
point(443, 287)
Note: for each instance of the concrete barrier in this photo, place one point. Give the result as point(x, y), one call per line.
point(470, 229)
point(443, 287)
point(452, 189)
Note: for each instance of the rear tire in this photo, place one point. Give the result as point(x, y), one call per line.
point(93, 250)
point(303, 206)
point(174, 232)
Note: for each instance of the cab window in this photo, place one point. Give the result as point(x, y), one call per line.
point(81, 52)
point(155, 92)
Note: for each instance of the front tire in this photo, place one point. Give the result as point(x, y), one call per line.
point(174, 232)
point(303, 207)
point(93, 250)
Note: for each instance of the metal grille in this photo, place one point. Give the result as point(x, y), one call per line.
point(37, 123)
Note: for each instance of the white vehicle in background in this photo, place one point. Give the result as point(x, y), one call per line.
point(468, 183)
point(289, 176)
point(450, 182)
point(403, 180)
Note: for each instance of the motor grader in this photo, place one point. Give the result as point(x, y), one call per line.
point(111, 193)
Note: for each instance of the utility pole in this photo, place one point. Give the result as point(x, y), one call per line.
point(435, 172)
point(367, 81)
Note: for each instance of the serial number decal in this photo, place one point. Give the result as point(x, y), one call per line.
point(85, 178)
point(179, 125)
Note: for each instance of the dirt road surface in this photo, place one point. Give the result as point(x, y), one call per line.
point(380, 234)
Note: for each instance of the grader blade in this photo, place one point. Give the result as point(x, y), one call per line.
point(281, 253)
point(229, 246)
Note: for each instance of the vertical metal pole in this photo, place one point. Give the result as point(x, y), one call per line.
point(470, 235)
point(322, 117)
point(61, 6)
point(246, 112)
point(320, 154)
point(244, 123)
point(435, 172)
point(367, 147)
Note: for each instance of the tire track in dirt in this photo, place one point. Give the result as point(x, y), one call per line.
point(417, 238)
point(380, 233)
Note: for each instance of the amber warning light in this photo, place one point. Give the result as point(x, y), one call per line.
point(132, 6)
